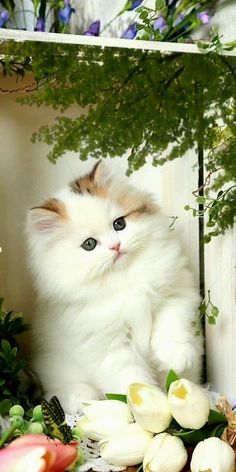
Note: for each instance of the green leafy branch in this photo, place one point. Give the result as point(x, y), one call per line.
point(220, 211)
point(11, 365)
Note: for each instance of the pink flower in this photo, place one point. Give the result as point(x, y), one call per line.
point(37, 453)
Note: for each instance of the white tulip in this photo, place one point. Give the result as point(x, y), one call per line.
point(165, 453)
point(127, 447)
point(149, 406)
point(213, 455)
point(189, 404)
point(103, 418)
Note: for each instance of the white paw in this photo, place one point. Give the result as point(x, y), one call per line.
point(74, 401)
point(176, 356)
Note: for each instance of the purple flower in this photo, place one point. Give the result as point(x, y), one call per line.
point(204, 17)
point(160, 24)
point(132, 4)
point(40, 24)
point(131, 32)
point(93, 29)
point(65, 13)
point(4, 16)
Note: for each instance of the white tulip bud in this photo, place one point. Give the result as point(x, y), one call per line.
point(103, 418)
point(189, 404)
point(149, 406)
point(165, 453)
point(213, 455)
point(126, 447)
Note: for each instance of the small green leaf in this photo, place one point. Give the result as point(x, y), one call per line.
point(210, 224)
point(5, 406)
point(207, 239)
point(143, 15)
point(200, 199)
point(218, 430)
point(187, 207)
point(215, 417)
point(191, 437)
point(215, 311)
point(160, 5)
point(6, 347)
point(211, 320)
point(116, 396)
point(171, 377)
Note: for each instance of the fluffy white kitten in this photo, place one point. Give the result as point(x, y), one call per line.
point(116, 297)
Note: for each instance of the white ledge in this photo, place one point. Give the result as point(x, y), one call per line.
point(20, 35)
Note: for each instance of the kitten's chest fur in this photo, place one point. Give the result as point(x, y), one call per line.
point(115, 312)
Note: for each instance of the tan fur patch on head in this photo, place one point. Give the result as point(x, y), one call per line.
point(90, 183)
point(53, 205)
point(137, 205)
point(134, 203)
point(86, 185)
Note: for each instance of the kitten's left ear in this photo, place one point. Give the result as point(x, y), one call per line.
point(96, 172)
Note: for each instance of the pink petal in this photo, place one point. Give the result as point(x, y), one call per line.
point(22, 458)
point(29, 439)
point(65, 454)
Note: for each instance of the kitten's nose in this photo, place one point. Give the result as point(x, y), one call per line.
point(115, 247)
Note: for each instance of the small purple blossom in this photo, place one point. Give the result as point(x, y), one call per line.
point(160, 24)
point(93, 29)
point(131, 32)
point(204, 17)
point(132, 4)
point(4, 16)
point(65, 13)
point(40, 24)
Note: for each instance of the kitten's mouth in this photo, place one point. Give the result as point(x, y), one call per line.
point(119, 256)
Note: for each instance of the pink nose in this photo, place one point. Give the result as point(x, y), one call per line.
point(115, 247)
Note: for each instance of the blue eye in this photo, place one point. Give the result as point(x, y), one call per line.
point(119, 223)
point(89, 244)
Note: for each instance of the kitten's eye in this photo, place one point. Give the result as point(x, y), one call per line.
point(119, 223)
point(89, 244)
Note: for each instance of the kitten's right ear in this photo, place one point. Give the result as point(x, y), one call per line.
point(48, 217)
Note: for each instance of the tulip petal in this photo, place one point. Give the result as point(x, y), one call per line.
point(189, 404)
point(27, 458)
point(165, 453)
point(103, 418)
point(127, 447)
point(64, 454)
point(214, 455)
point(150, 407)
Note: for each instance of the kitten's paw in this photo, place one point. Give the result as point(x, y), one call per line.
point(74, 401)
point(177, 356)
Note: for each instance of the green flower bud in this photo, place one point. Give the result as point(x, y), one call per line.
point(17, 421)
point(37, 413)
point(35, 428)
point(16, 410)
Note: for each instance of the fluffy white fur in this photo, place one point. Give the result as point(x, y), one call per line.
point(104, 322)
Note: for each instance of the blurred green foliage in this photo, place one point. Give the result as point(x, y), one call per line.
point(11, 365)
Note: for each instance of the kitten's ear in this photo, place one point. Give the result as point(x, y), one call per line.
point(97, 172)
point(48, 217)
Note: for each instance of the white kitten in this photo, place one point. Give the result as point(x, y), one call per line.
point(116, 298)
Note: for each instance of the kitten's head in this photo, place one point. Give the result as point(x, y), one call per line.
point(96, 226)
